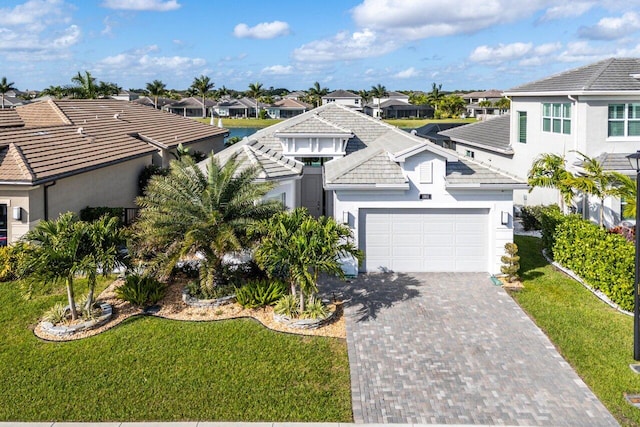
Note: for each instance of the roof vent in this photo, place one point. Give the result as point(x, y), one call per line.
point(116, 116)
point(80, 131)
point(635, 76)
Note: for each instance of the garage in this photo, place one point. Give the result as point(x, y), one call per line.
point(422, 240)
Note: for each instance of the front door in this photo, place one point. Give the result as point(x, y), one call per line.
point(311, 191)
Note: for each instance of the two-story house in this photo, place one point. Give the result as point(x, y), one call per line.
point(396, 106)
point(343, 97)
point(594, 109)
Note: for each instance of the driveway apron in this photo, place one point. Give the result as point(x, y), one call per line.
point(452, 348)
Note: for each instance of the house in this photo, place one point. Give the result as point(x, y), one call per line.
point(297, 95)
point(594, 109)
point(149, 101)
point(243, 107)
point(474, 100)
point(412, 205)
point(287, 108)
point(343, 97)
point(64, 155)
point(126, 95)
point(431, 131)
point(191, 107)
point(396, 106)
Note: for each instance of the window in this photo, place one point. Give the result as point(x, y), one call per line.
point(624, 119)
point(556, 118)
point(470, 153)
point(3, 225)
point(522, 126)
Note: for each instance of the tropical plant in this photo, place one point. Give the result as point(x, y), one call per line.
point(190, 212)
point(365, 96)
point(202, 86)
point(549, 171)
point(435, 96)
point(298, 247)
point(57, 92)
point(316, 92)
point(287, 306)
point(485, 104)
point(378, 92)
point(56, 314)
point(260, 293)
point(598, 182)
point(223, 92)
point(5, 87)
point(451, 106)
point(156, 88)
point(315, 309)
point(87, 88)
point(141, 290)
point(418, 98)
point(504, 104)
point(255, 91)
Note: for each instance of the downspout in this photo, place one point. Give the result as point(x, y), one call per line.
point(46, 199)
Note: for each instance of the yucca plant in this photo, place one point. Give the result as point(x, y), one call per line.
point(287, 306)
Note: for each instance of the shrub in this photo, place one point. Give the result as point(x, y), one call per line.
point(196, 290)
point(510, 260)
point(91, 214)
point(550, 217)
point(9, 259)
point(287, 306)
point(604, 260)
point(315, 309)
point(147, 173)
point(532, 217)
point(81, 304)
point(141, 290)
point(260, 293)
point(56, 314)
point(628, 233)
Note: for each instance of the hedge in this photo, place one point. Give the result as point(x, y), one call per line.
point(604, 260)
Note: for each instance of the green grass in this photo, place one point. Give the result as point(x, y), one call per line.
point(595, 339)
point(157, 369)
point(243, 123)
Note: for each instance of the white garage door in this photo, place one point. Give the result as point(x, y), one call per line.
point(415, 240)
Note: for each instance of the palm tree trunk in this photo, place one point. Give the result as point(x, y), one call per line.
point(601, 211)
point(155, 102)
point(301, 301)
point(204, 113)
point(3, 101)
point(71, 299)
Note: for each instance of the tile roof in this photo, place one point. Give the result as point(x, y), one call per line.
point(9, 118)
point(288, 103)
point(492, 93)
point(370, 151)
point(191, 102)
point(42, 113)
point(467, 173)
point(613, 74)
point(341, 94)
point(491, 134)
point(615, 162)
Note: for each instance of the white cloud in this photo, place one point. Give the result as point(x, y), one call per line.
point(500, 53)
point(278, 70)
point(143, 63)
point(612, 28)
point(407, 74)
point(265, 30)
point(570, 9)
point(142, 5)
point(345, 46)
point(67, 38)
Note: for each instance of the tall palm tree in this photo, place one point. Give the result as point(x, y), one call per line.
point(4, 88)
point(190, 211)
point(255, 91)
point(600, 183)
point(485, 104)
point(223, 92)
point(54, 253)
point(504, 104)
point(452, 106)
point(85, 85)
point(156, 88)
point(202, 86)
point(365, 96)
point(316, 92)
point(378, 92)
point(57, 92)
point(435, 96)
point(549, 171)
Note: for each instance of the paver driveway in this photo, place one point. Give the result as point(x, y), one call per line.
point(452, 348)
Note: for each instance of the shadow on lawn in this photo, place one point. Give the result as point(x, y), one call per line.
point(369, 293)
point(531, 259)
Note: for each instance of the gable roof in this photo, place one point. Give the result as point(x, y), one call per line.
point(492, 93)
point(191, 102)
point(616, 162)
point(341, 94)
point(9, 117)
point(492, 134)
point(609, 75)
point(293, 104)
point(469, 174)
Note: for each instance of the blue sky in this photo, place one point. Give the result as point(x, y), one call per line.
point(343, 44)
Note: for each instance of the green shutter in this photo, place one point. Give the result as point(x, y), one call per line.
point(522, 126)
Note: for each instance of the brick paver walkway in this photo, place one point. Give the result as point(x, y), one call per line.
point(455, 349)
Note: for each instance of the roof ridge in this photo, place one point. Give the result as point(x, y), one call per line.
point(489, 167)
point(59, 112)
point(605, 64)
point(374, 152)
point(21, 161)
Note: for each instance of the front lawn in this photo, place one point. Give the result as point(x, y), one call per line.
point(164, 370)
point(250, 122)
point(416, 123)
point(595, 339)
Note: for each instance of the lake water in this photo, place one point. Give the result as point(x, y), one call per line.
point(241, 132)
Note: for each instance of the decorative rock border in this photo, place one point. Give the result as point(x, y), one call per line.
point(305, 323)
point(61, 330)
point(206, 303)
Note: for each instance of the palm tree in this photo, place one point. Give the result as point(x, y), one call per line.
point(190, 211)
point(85, 86)
point(223, 92)
point(255, 91)
point(101, 251)
point(316, 92)
point(504, 104)
point(300, 247)
point(378, 92)
point(365, 96)
point(435, 96)
point(57, 92)
point(4, 88)
point(201, 86)
point(549, 171)
point(600, 183)
point(485, 104)
point(53, 253)
point(452, 106)
point(156, 88)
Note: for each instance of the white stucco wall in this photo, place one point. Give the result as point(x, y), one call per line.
point(496, 201)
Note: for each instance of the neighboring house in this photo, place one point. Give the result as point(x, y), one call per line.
point(148, 101)
point(236, 108)
point(343, 97)
point(65, 155)
point(287, 108)
point(396, 106)
point(297, 95)
point(474, 99)
point(190, 107)
point(593, 109)
point(126, 95)
point(412, 205)
point(431, 131)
